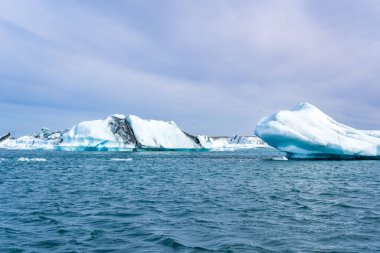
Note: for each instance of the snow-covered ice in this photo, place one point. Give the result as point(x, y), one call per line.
point(307, 132)
point(46, 139)
point(109, 134)
point(243, 142)
point(160, 134)
point(231, 143)
point(120, 133)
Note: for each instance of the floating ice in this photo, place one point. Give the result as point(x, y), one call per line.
point(120, 133)
point(243, 142)
point(110, 134)
point(231, 143)
point(47, 139)
point(283, 158)
point(307, 132)
point(121, 159)
point(26, 159)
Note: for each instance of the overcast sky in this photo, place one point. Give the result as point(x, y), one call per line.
point(214, 67)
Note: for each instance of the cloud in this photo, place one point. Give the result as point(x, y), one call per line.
point(215, 67)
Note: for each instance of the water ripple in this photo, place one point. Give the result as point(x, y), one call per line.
point(242, 201)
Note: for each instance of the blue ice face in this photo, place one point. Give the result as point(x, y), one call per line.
point(306, 132)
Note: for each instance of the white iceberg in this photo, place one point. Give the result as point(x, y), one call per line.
point(244, 142)
point(120, 133)
point(307, 132)
point(109, 134)
point(46, 139)
point(231, 143)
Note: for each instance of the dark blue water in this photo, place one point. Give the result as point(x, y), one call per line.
point(187, 202)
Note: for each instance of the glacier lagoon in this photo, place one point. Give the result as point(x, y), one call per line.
point(239, 196)
point(304, 132)
point(239, 201)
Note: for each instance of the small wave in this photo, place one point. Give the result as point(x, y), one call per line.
point(26, 159)
point(2, 159)
point(121, 159)
point(175, 244)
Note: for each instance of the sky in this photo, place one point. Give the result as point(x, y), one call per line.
point(214, 67)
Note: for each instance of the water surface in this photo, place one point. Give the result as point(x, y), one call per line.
point(241, 201)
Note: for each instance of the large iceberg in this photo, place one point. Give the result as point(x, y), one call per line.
point(120, 133)
point(46, 139)
point(307, 132)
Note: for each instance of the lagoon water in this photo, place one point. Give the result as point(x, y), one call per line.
point(240, 201)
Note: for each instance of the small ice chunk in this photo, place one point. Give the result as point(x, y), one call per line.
point(121, 159)
point(26, 159)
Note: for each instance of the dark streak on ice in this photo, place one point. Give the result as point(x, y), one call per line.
point(121, 128)
point(4, 137)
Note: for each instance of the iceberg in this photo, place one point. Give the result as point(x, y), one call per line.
point(243, 142)
point(120, 133)
point(231, 143)
point(110, 134)
point(126, 133)
point(46, 139)
point(306, 132)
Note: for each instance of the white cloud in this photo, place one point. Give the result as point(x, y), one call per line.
point(220, 62)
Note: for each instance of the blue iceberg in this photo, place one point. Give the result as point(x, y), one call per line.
point(305, 132)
